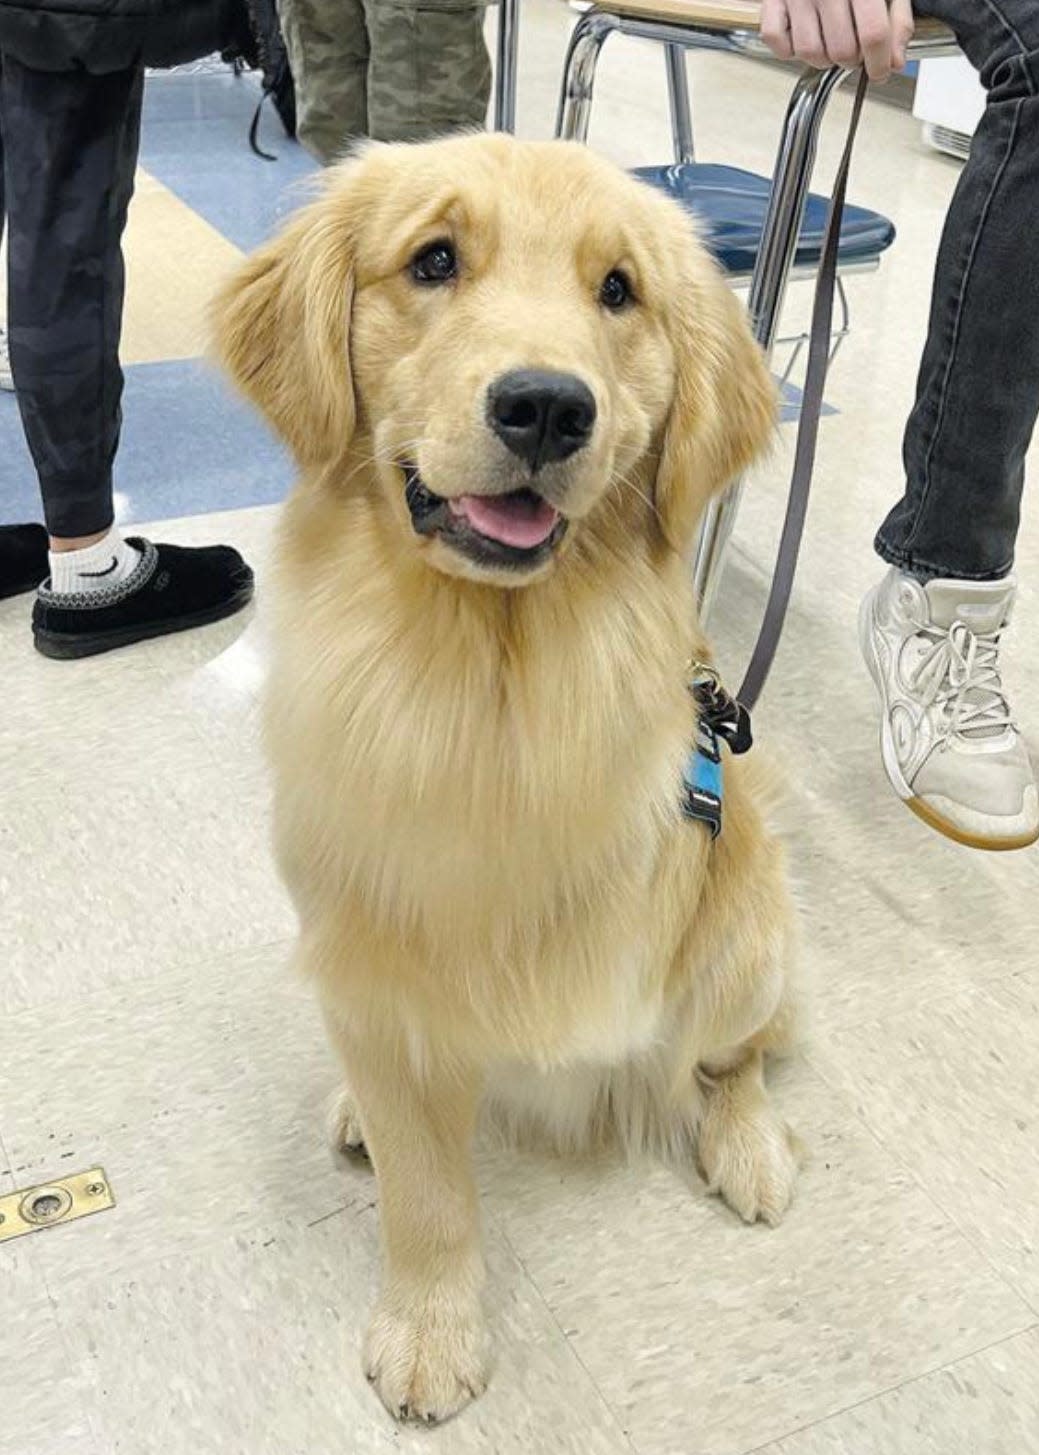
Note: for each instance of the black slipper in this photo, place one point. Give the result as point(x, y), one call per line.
point(23, 558)
point(172, 589)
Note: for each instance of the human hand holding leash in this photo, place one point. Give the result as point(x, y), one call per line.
point(871, 33)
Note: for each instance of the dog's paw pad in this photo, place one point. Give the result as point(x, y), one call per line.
point(426, 1365)
point(752, 1162)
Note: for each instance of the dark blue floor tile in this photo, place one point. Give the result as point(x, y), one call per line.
point(195, 141)
point(189, 447)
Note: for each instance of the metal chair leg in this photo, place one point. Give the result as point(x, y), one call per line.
point(678, 97)
point(582, 57)
point(775, 259)
point(505, 72)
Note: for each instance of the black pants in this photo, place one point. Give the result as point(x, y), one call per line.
point(978, 391)
point(69, 148)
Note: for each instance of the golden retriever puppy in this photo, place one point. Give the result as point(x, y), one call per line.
point(511, 378)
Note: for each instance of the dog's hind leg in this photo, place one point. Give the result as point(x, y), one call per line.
point(342, 1118)
point(343, 1125)
point(747, 1152)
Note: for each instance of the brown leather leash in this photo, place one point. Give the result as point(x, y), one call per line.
point(807, 429)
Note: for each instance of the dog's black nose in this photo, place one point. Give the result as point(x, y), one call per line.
point(541, 415)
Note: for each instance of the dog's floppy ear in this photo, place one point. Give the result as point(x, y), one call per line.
point(724, 406)
point(281, 325)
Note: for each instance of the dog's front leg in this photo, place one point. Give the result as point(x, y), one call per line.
point(425, 1350)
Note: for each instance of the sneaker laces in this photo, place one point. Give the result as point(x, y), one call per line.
point(959, 674)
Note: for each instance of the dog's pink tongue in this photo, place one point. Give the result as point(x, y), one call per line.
point(522, 520)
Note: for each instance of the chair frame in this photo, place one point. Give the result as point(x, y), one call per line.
point(508, 62)
point(795, 160)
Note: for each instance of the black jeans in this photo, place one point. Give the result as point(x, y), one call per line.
point(978, 389)
point(69, 150)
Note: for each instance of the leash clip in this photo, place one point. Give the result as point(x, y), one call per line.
point(727, 718)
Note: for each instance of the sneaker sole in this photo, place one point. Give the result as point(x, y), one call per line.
point(63, 648)
point(916, 805)
point(934, 820)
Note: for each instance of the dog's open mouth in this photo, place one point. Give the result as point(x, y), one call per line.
point(518, 529)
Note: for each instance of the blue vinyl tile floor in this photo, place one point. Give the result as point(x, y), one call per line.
point(195, 141)
point(188, 447)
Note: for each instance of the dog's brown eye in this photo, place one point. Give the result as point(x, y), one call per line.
point(436, 264)
point(616, 290)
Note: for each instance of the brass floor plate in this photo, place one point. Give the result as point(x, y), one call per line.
point(62, 1201)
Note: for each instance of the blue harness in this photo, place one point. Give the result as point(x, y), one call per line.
point(720, 719)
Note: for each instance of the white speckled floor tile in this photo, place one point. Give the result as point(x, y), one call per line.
point(42, 1386)
point(891, 916)
point(254, 1346)
point(201, 1095)
point(220, 695)
point(6, 1175)
point(45, 701)
point(54, 1437)
point(985, 1405)
point(148, 834)
point(950, 1089)
point(709, 1338)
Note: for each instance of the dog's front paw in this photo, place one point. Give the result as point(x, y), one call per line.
point(345, 1136)
point(427, 1359)
point(752, 1161)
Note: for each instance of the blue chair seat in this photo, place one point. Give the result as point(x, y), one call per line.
point(730, 206)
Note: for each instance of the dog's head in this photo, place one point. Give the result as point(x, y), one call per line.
point(514, 343)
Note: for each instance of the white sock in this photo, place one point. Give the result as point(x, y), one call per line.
point(95, 568)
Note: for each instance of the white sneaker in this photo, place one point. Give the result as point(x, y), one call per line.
point(6, 377)
point(950, 745)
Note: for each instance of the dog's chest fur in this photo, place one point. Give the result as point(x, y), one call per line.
point(487, 781)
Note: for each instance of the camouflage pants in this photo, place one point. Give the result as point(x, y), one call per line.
point(395, 70)
point(68, 149)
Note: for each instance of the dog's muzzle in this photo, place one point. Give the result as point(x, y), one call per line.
point(517, 530)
